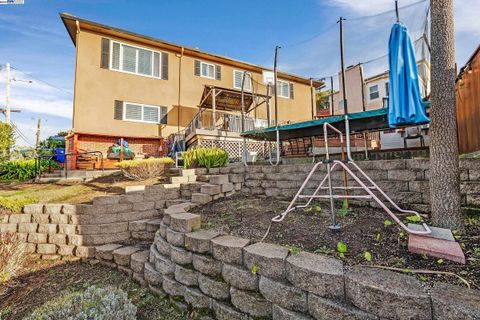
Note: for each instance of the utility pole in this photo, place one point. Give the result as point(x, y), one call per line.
point(331, 95)
point(37, 143)
point(444, 161)
point(312, 98)
point(7, 104)
point(275, 84)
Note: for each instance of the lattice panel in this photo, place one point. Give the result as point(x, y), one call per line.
point(235, 148)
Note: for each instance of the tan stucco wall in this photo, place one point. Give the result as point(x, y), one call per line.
point(96, 89)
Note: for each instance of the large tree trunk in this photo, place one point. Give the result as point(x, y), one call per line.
point(444, 162)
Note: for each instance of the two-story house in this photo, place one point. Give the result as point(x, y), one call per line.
point(142, 89)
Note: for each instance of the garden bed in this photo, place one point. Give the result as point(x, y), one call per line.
point(43, 281)
point(364, 229)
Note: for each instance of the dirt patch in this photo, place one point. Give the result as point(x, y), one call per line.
point(42, 281)
point(363, 230)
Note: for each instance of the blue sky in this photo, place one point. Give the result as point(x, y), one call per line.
point(35, 42)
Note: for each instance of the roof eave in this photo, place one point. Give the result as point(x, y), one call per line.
point(175, 47)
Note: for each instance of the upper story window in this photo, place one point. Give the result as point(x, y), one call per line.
point(387, 89)
point(133, 59)
point(208, 70)
point(237, 80)
point(284, 89)
point(373, 92)
point(137, 112)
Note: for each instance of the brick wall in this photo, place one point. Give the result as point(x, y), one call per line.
point(103, 143)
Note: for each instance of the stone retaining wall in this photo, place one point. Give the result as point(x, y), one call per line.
point(55, 230)
point(233, 277)
point(238, 279)
point(405, 181)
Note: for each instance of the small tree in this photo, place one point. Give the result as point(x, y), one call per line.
point(6, 141)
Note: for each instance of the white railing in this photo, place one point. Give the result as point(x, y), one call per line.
point(206, 119)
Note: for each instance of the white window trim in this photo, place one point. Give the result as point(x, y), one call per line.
point(240, 87)
point(159, 108)
point(136, 59)
point(208, 64)
point(370, 93)
point(279, 93)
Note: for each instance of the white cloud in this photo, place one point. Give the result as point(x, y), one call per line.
point(36, 97)
point(36, 100)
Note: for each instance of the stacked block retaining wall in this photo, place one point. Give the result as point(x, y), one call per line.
point(405, 181)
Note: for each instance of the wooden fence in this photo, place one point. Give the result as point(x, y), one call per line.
point(468, 105)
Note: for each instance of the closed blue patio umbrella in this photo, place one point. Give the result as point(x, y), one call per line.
point(404, 102)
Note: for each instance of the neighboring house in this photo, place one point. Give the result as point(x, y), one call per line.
point(372, 93)
point(143, 89)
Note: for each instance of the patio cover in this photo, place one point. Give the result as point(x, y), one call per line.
point(372, 120)
point(230, 99)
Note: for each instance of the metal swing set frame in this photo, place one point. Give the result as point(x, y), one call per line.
point(348, 166)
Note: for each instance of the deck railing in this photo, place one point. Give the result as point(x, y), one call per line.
point(208, 120)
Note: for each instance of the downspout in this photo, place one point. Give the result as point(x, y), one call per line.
point(73, 165)
point(179, 89)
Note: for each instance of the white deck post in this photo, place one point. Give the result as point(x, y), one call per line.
point(214, 107)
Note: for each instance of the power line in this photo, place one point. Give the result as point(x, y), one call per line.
point(21, 134)
point(294, 44)
point(44, 82)
point(385, 12)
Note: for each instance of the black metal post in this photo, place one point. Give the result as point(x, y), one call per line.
point(396, 11)
point(275, 84)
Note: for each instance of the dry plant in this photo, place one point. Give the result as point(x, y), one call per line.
point(12, 258)
point(144, 169)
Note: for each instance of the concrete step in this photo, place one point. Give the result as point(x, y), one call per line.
point(439, 244)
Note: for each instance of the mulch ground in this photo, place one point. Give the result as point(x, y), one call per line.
point(362, 230)
point(42, 281)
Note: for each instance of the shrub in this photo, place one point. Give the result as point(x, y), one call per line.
point(12, 257)
point(16, 204)
point(205, 158)
point(94, 303)
point(23, 169)
point(145, 168)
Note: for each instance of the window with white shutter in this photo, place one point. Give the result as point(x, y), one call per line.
point(116, 56)
point(207, 70)
point(133, 112)
point(237, 80)
point(373, 92)
point(283, 89)
point(144, 113)
point(136, 60)
point(151, 114)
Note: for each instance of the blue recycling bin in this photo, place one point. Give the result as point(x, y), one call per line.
point(59, 157)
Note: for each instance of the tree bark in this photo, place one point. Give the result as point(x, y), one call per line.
point(444, 161)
